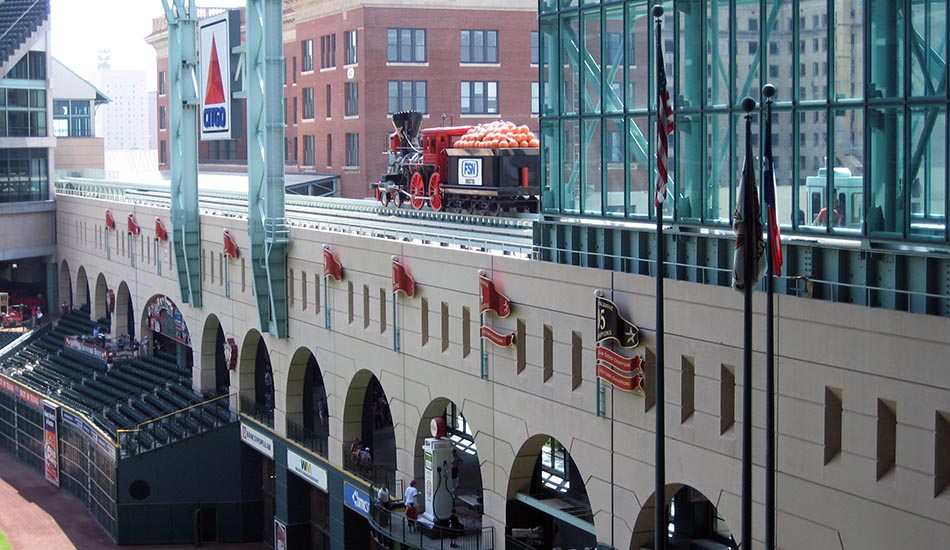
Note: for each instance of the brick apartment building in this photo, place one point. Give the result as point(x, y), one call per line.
point(349, 65)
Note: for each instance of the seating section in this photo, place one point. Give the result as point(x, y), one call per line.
point(151, 390)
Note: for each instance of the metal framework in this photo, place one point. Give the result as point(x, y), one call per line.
point(183, 137)
point(894, 253)
point(267, 222)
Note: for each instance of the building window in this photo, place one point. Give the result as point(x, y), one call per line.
point(479, 46)
point(31, 66)
point(71, 118)
point(350, 48)
point(329, 150)
point(309, 151)
point(352, 149)
point(535, 98)
point(535, 48)
point(163, 152)
point(224, 149)
point(614, 146)
point(329, 99)
point(555, 474)
point(406, 45)
point(294, 110)
point(25, 175)
point(328, 51)
point(352, 92)
point(161, 82)
point(408, 95)
point(293, 69)
point(22, 112)
point(162, 113)
point(479, 98)
point(307, 105)
point(306, 53)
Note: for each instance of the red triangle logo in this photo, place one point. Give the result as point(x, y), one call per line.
point(214, 90)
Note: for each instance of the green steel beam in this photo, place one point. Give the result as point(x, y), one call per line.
point(266, 220)
point(183, 139)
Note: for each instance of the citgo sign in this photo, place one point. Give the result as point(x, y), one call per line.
point(217, 34)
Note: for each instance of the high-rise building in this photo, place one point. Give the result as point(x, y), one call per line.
point(124, 122)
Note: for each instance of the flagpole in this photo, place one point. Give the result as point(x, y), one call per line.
point(749, 276)
point(769, 91)
point(659, 500)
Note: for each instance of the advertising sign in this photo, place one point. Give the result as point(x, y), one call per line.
point(470, 172)
point(356, 499)
point(51, 441)
point(257, 440)
point(216, 37)
point(310, 472)
point(280, 535)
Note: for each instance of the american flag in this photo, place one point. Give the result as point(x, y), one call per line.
point(664, 124)
point(743, 274)
point(768, 175)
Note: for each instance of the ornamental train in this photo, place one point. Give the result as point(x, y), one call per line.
point(461, 168)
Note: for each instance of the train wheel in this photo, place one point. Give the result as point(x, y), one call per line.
point(398, 198)
point(494, 208)
point(383, 197)
point(435, 192)
point(417, 191)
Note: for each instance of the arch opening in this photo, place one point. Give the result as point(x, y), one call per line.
point(368, 433)
point(693, 522)
point(308, 414)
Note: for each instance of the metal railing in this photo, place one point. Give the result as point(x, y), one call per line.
point(311, 440)
point(413, 534)
point(375, 475)
point(174, 426)
point(262, 413)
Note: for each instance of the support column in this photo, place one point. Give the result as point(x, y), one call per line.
point(183, 140)
point(267, 223)
point(883, 125)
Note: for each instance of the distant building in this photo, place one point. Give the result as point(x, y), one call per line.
point(349, 68)
point(124, 122)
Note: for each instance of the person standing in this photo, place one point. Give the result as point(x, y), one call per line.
point(383, 496)
point(456, 472)
point(412, 514)
point(455, 528)
point(409, 497)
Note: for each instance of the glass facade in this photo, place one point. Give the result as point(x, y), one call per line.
point(859, 117)
point(24, 175)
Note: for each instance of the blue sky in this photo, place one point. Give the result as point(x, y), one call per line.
point(81, 28)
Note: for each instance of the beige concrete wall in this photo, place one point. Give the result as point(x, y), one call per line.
point(80, 153)
point(26, 229)
point(868, 354)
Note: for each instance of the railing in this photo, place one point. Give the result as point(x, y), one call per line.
point(412, 534)
point(311, 440)
point(375, 475)
point(129, 444)
point(262, 413)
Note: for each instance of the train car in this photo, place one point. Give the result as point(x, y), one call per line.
point(428, 167)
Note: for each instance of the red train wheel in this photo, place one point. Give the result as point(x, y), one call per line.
point(417, 191)
point(435, 192)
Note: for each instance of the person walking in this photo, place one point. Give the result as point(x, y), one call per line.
point(409, 497)
point(412, 514)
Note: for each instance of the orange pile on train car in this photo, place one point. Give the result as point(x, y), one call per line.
point(498, 135)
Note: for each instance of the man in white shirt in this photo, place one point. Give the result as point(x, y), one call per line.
point(411, 494)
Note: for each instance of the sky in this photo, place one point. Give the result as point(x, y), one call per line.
point(81, 28)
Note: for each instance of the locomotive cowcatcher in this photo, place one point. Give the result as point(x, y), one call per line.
point(425, 167)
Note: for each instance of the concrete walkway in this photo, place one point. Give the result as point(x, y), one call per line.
point(34, 515)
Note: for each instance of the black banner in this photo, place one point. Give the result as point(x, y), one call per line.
point(611, 324)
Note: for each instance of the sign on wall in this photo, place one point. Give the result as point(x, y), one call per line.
point(356, 499)
point(51, 441)
point(216, 37)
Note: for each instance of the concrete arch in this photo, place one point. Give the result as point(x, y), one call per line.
point(256, 378)
point(213, 369)
point(65, 286)
point(360, 422)
point(81, 299)
point(306, 401)
point(532, 478)
point(470, 474)
point(124, 317)
point(692, 516)
point(99, 310)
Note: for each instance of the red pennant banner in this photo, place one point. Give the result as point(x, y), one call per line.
point(160, 232)
point(110, 220)
point(402, 280)
point(331, 266)
point(230, 245)
point(491, 299)
point(133, 226)
point(620, 381)
point(619, 362)
point(503, 340)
